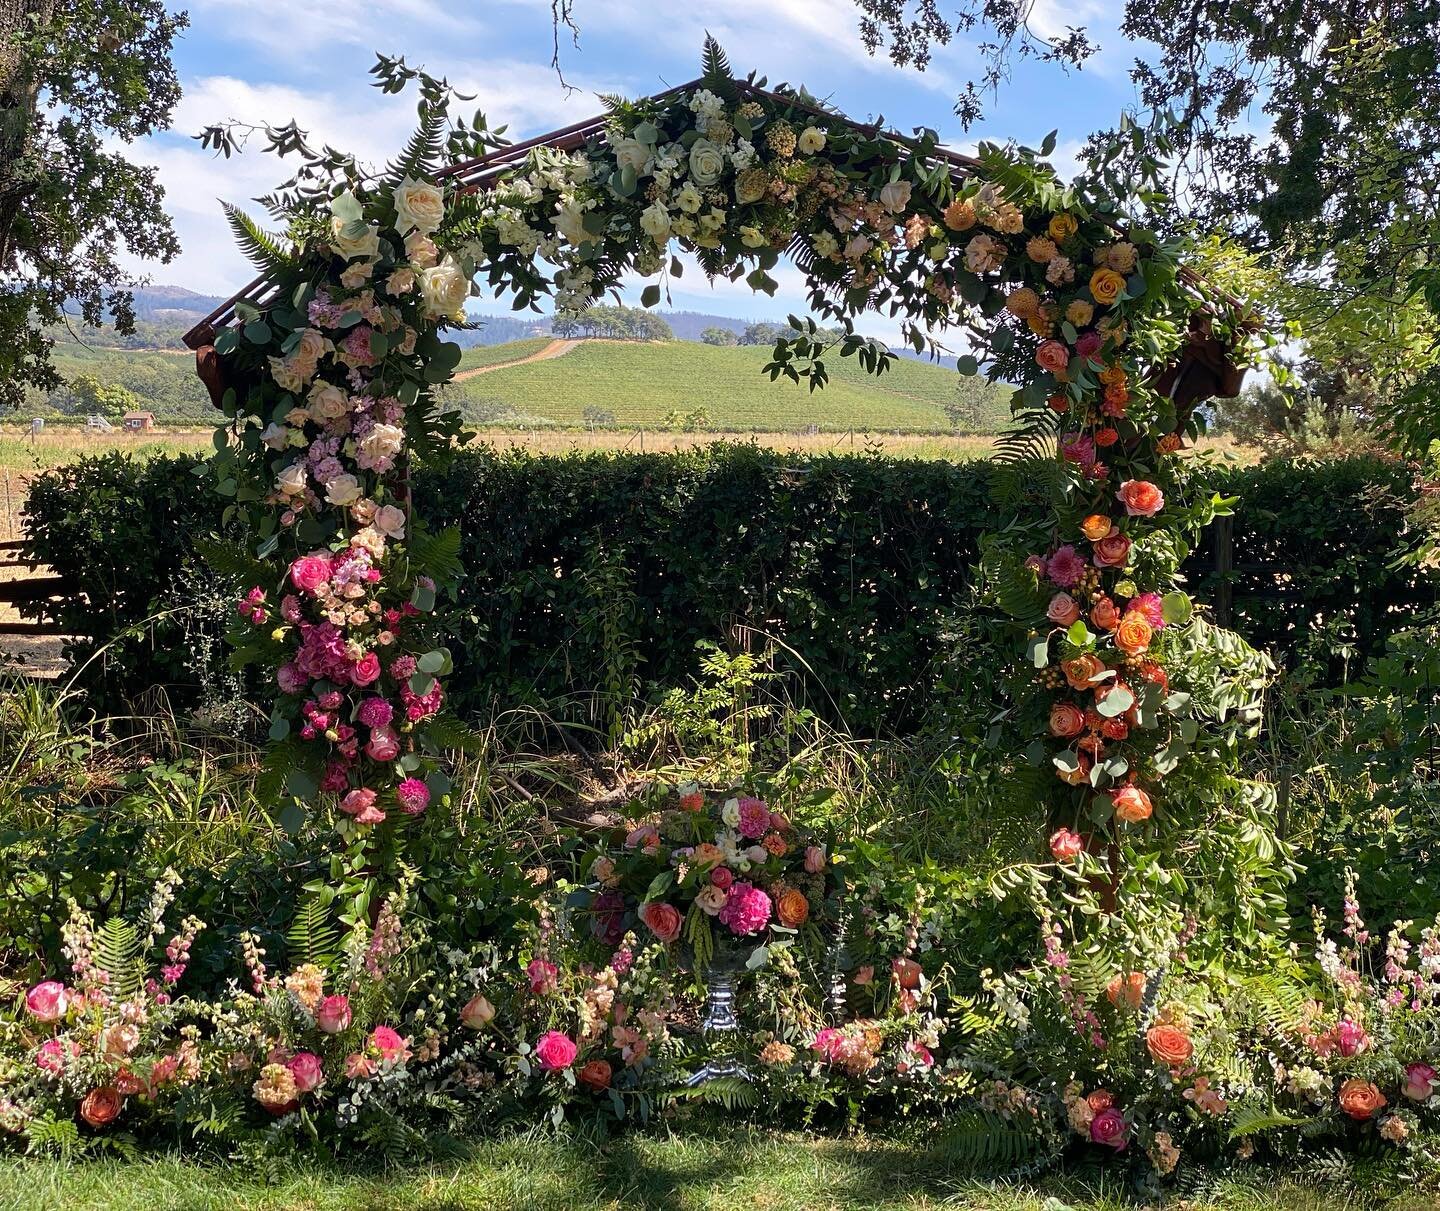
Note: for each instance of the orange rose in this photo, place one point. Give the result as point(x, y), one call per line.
point(1132, 804)
point(1080, 670)
point(1096, 526)
point(792, 908)
point(1114, 729)
point(1059, 403)
point(1169, 1045)
point(1105, 286)
point(1169, 444)
point(101, 1106)
point(1101, 1099)
point(1127, 990)
point(1062, 226)
point(1133, 634)
point(1112, 551)
point(960, 214)
point(594, 1075)
point(1066, 720)
point(1052, 356)
point(1105, 615)
point(1140, 498)
point(1113, 376)
point(1360, 1099)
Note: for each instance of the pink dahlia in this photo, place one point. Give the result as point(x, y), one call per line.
point(754, 818)
point(1064, 567)
point(746, 910)
point(375, 712)
point(414, 796)
point(1150, 607)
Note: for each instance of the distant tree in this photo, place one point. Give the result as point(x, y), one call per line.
point(964, 413)
point(593, 416)
point(763, 333)
point(79, 81)
point(720, 336)
point(615, 323)
point(88, 394)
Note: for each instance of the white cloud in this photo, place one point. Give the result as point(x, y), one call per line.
point(308, 31)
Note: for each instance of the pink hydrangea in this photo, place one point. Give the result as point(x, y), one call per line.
point(754, 818)
point(1064, 567)
point(414, 796)
point(746, 910)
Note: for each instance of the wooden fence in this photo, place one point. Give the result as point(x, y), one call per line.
point(34, 585)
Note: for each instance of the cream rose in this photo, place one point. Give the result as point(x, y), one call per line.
point(383, 441)
point(344, 489)
point(710, 899)
point(895, 196)
point(570, 222)
point(707, 163)
point(351, 243)
point(420, 250)
point(328, 401)
point(655, 222)
point(811, 140)
point(444, 288)
point(291, 481)
point(390, 521)
point(402, 281)
point(418, 204)
point(633, 154)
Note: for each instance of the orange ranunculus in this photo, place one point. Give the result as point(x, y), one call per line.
point(1132, 804)
point(1169, 444)
point(1059, 403)
point(1105, 614)
point(1106, 437)
point(1134, 633)
point(1115, 729)
point(1360, 1099)
point(1062, 226)
point(1080, 670)
point(1096, 526)
point(1112, 551)
point(1127, 990)
point(1117, 394)
point(1169, 1045)
point(1140, 497)
point(1066, 720)
point(1105, 286)
point(792, 908)
point(1113, 376)
point(594, 1075)
point(101, 1107)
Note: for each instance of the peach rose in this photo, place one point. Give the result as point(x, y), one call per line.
point(1104, 614)
point(1096, 526)
point(1133, 634)
point(101, 1107)
point(1127, 991)
point(1140, 498)
point(1065, 845)
point(1105, 286)
point(1052, 356)
point(1132, 804)
point(1169, 1045)
point(1066, 720)
point(1360, 1099)
point(1100, 1101)
point(1112, 551)
point(1081, 670)
point(1062, 610)
point(792, 908)
point(663, 920)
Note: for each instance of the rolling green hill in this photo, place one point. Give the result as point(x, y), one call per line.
point(641, 383)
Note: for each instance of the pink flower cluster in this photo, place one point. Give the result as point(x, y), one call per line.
point(746, 910)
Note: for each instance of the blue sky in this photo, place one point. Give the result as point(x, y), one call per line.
point(308, 59)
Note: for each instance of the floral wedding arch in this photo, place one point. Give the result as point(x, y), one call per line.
point(1126, 704)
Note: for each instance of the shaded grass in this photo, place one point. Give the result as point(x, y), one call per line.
point(764, 1170)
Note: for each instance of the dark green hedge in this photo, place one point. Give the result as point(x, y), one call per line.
point(588, 571)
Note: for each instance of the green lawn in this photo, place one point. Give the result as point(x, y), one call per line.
point(640, 383)
point(756, 1169)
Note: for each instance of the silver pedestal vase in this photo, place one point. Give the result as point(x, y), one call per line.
point(719, 1022)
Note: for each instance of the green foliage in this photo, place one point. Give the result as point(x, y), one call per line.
point(312, 936)
point(263, 250)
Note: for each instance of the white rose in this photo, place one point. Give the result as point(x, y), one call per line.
point(390, 521)
point(707, 163)
point(311, 347)
point(895, 196)
point(655, 222)
point(570, 222)
point(710, 900)
point(811, 140)
point(689, 199)
point(444, 288)
point(632, 154)
point(291, 481)
point(343, 490)
point(362, 243)
point(418, 204)
point(730, 812)
point(276, 437)
point(752, 237)
point(288, 375)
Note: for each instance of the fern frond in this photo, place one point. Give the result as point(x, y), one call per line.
point(715, 73)
point(1251, 1120)
point(978, 1140)
point(1014, 586)
point(422, 150)
point(264, 250)
point(229, 559)
point(117, 953)
point(1033, 436)
point(438, 554)
point(312, 938)
point(731, 1092)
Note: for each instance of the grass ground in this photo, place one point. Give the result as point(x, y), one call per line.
point(762, 1170)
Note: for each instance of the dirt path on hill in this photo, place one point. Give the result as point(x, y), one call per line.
point(556, 348)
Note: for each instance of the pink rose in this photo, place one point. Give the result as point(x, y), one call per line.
point(555, 1050)
point(1065, 845)
point(332, 1015)
point(478, 1012)
point(542, 975)
point(51, 1056)
point(1350, 1039)
point(1420, 1082)
point(1140, 498)
point(1063, 609)
point(664, 920)
point(311, 571)
point(814, 859)
point(47, 1001)
point(384, 744)
point(722, 877)
point(366, 669)
point(360, 803)
point(306, 1069)
point(1109, 1127)
point(388, 1042)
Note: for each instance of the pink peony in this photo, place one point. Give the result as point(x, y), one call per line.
point(1064, 567)
point(360, 803)
point(47, 1001)
point(1109, 1127)
point(375, 712)
point(332, 1015)
point(306, 1069)
point(754, 818)
point(1420, 1082)
point(383, 745)
point(664, 920)
point(310, 572)
point(542, 976)
point(747, 909)
point(414, 796)
point(366, 670)
point(555, 1050)
point(389, 1044)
